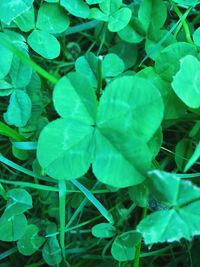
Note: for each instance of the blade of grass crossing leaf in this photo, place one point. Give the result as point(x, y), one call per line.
point(8, 253)
point(93, 200)
point(30, 62)
point(157, 46)
point(62, 205)
point(24, 170)
point(8, 131)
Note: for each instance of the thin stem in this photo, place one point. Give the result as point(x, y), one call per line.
point(138, 247)
point(62, 203)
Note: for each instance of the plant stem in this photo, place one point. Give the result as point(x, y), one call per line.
point(62, 203)
point(138, 247)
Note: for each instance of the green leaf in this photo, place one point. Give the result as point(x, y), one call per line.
point(124, 162)
point(123, 49)
point(71, 155)
point(168, 62)
point(152, 13)
point(123, 247)
point(19, 201)
point(170, 190)
point(11, 9)
point(103, 230)
point(112, 65)
point(7, 57)
point(133, 32)
point(93, 2)
point(5, 88)
point(19, 109)
point(139, 194)
point(119, 19)
point(74, 98)
point(26, 21)
point(52, 18)
point(30, 242)
point(51, 251)
point(196, 36)
point(110, 6)
point(171, 225)
point(20, 72)
point(186, 82)
point(174, 107)
point(138, 105)
point(77, 8)
point(186, 3)
point(44, 44)
point(88, 65)
point(12, 229)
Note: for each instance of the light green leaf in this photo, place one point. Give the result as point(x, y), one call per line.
point(196, 36)
point(193, 158)
point(5, 88)
point(133, 32)
point(124, 163)
point(74, 98)
point(110, 6)
point(71, 155)
point(112, 65)
point(170, 190)
point(77, 8)
point(171, 225)
point(19, 109)
point(174, 107)
point(44, 44)
point(12, 229)
point(96, 13)
point(119, 19)
point(152, 13)
point(186, 3)
point(92, 2)
point(30, 242)
point(6, 59)
point(168, 62)
point(138, 105)
point(26, 21)
point(186, 82)
point(20, 72)
point(52, 18)
point(123, 247)
point(11, 9)
point(19, 201)
point(103, 230)
point(88, 65)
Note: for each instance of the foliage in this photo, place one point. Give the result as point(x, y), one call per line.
point(99, 133)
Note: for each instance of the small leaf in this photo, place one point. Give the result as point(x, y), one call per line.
point(196, 36)
point(77, 8)
point(186, 82)
point(52, 18)
point(19, 109)
point(112, 65)
point(19, 201)
point(30, 242)
point(12, 229)
point(103, 230)
point(193, 158)
point(119, 19)
point(26, 21)
point(11, 9)
point(123, 247)
point(7, 57)
point(183, 151)
point(44, 44)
